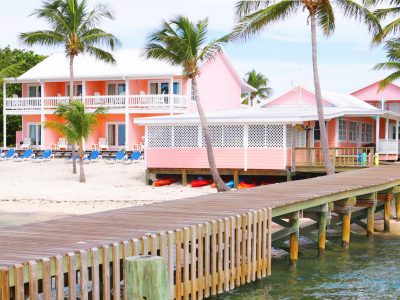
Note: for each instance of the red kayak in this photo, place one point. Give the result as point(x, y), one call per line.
point(245, 185)
point(165, 181)
point(200, 182)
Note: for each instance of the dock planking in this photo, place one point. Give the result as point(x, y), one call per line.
point(20, 244)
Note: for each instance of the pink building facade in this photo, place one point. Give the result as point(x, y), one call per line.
point(134, 87)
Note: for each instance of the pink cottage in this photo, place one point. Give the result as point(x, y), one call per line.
point(133, 87)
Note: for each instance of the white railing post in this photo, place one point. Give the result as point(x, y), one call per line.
point(42, 117)
point(171, 94)
point(84, 92)
point(4, 116)
point(397, 136)
point(126, 114)
point(377, 137)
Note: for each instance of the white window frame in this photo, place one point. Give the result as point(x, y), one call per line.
point(179, 81)
point(75, 88)
point(37, 86)
point(116, 135)
point(342, 130)
point(116, 83)
point(356, 132)
point(366, 132)
point(38, 131)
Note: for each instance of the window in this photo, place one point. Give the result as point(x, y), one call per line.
point(34, 132)
point(116, 134)
point(353, 131)
point(77, 90)
point(366, 133)
point(35, 91)
point(163, 88)
point(342, 130)
point(394, 132)
point(116, 89)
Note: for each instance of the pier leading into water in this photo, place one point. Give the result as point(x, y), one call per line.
point(211, 244)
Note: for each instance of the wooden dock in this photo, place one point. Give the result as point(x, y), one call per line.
point(232, 231)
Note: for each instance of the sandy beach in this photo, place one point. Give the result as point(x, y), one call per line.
point(50, 190)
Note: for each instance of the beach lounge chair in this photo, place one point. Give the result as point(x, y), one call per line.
point(26, 143)
point(46, 156)
point(28, 154)
point(119, 157)
point(62, 144)
point(93, 157)
point(69, 159)
point(135, 158)
point(103, 145)
point(10, 154)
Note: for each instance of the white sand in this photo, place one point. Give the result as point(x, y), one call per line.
point(51, 188)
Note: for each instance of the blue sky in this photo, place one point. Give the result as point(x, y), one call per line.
point(282, 52)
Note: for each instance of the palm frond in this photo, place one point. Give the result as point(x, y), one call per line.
point(43, 38)
point(101, 54)
point(388, 80)
point(325, 18)
point(243, 8)
point(391, 28)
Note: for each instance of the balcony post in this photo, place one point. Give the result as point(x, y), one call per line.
point(42, 117)
point(377, 125)
point(4, 115)
point(397, 136)
point(171, 94)
point(84, 92)
point(126, 114)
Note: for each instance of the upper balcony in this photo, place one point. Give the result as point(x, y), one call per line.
point(118, 96)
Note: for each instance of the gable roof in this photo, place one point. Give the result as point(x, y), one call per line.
point(371, 92)
point(333, 98)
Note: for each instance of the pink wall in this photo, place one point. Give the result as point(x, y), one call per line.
point(371, 93)
point(331, 128)
point(51, 136)
point(219, 88)
point(51, 89)
point(18, 137)
point(28, 119)
point(95, 87)
point(232, 158)
point(296, 97)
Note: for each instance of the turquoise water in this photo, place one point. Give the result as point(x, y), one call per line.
point(369, 270)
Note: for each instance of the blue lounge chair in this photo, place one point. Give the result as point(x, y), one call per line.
point(119, 157)
point(46, 156)
point(10, 154)
point(135, 157)
point(69, 159)
point(93, 157)
point(28, 154)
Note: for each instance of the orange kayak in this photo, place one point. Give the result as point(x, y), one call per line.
point(245, 185)
point(165, 181)
point(200, 183)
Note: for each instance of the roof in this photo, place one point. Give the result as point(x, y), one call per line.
point(129, 63)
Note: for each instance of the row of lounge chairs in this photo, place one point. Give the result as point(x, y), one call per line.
point(47, 155)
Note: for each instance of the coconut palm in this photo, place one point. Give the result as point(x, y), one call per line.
point(392, 48)
point(76, 126)
point(260, 83)
point(392, 27)
point(73, 27)
point(254, 16)
point(183, 43)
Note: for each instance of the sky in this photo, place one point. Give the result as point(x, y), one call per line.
point(282, 52)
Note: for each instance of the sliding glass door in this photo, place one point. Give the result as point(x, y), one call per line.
point(116, 134)
point(34, 133)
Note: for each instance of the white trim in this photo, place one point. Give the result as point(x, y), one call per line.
point(165, 80)
point(116, 136)
point(116, 83)
point(284, 147)
point(37, 85)
point(4, 115)
point(338, 130)
point(38, 129)
point(377, 129)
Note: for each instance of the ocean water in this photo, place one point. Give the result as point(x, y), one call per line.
point(370, 269)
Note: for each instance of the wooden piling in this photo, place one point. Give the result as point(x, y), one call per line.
point(146, 278)
point(398, 206)
point(235, 179)
point(346, 221)
point(388, 206)
point(184, 177)
point(147, 177)
point(294, 240)
point(371, 220)
point(323, 217)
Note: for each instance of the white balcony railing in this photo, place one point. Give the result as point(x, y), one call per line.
point(388, 146)
point(140, 102)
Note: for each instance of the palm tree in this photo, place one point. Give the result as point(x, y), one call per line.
point(392, 48)
point(76, 127)
point(260, 83)
point(254, 16)
point(381, 13)
point(181, 42)
point(73, 27)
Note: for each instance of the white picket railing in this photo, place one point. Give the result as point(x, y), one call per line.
point(145, 102)
point(388, 146)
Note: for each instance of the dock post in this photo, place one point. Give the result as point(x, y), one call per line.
point(146, 278)
point(388, 206)
point(184, 177)
point(346, 221)
point(323, 217)
point(294, 239)
point(371, 219)
point(398, 206)
point(235, 179)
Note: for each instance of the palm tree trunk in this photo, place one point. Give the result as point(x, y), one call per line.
point(318, 97)
point(221, 186)
point(82, 177)
point(71, 98)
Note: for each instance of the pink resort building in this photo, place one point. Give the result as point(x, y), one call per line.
point(134, 87)
point(259, 140)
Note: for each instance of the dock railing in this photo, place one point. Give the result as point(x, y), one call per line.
point(202, 260)
point(340, 156)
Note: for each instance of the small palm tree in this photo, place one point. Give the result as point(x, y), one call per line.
point(254, 16)
point(392, 48)
point(73, 27)
point(181, 42)
point(76, 127)
point(260, 83)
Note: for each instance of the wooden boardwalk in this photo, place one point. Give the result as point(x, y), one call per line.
point(33, 242)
